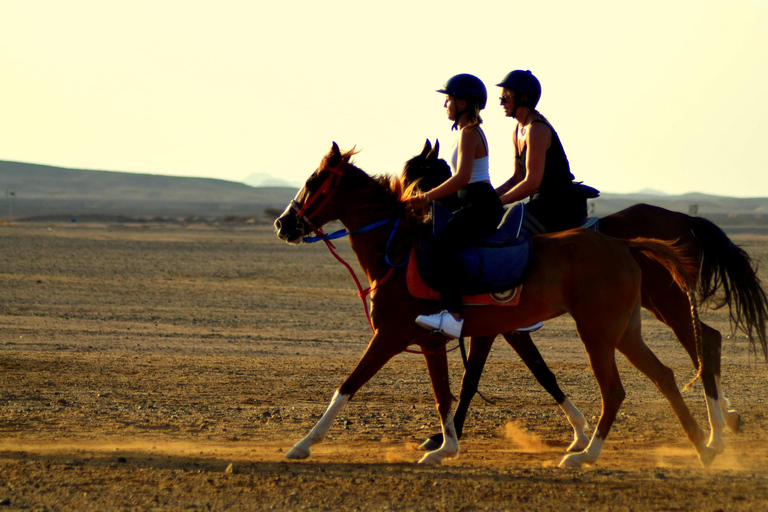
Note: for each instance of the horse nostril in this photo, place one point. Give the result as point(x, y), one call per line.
point(278, 225)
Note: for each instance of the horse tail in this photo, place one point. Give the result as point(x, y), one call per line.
point(684, 272)
point(725, 266)
point(682, 268)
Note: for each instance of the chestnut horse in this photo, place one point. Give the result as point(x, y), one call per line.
point(723, 267)
point(592, 277)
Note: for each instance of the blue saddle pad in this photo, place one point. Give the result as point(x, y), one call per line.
point(497, 263)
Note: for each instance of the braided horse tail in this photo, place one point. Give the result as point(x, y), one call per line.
point(684, 272)
point(728, 269)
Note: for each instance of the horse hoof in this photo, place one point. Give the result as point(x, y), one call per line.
point(571, 461)
point(707, 456)
point(297, 453)
point(430, 459)
point(578, 445)
point(431, 444)
point(717, 445)
point(733, 420)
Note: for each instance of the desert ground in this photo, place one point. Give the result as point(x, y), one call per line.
point(170, 367)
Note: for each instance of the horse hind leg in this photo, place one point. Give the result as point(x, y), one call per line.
point(638, 353)
point(437, 364)
point(603, 362)
point(673, 308)
point(713, 340)
point(710, 372)
point(717, 404)
point(479, 348)
point(522, 343)
point(732, 417)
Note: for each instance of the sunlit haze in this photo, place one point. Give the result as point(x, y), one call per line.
point(666, 95)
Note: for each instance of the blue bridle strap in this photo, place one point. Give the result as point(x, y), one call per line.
point(343, 232)
point(389, 241)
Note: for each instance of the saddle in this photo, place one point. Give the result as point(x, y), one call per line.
point(496, 266)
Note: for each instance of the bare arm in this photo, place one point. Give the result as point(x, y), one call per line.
point(468, 141)
point(538, 140)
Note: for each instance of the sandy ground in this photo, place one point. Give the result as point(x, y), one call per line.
point(171, 368)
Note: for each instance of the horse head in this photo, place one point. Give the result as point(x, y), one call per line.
point(337, 190)
point(426, 169)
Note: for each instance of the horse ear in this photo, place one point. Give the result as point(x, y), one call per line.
point(334, 155)
point(427, 148)
point(432, 155)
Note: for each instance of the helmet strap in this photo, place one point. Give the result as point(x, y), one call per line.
point(515, 107)
point(459, 114)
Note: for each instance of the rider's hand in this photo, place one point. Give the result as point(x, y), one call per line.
point(418, 202)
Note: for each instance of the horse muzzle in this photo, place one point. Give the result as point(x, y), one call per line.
point(288, 226)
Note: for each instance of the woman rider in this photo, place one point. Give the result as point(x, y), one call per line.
point(541, 168)
point(481, 209)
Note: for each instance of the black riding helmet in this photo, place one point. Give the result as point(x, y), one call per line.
point(523, 83)
point(466, 87)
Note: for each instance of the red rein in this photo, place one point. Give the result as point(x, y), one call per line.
point(327, 189)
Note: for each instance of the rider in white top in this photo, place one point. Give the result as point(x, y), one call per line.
point(481, 209)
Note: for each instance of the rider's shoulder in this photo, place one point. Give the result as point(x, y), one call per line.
point(470, 133)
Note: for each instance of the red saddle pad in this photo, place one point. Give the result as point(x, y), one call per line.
point(421, 290)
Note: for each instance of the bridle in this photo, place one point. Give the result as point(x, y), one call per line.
point(325, 191)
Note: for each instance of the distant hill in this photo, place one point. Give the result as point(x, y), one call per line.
point(43, 190)
point(700, 204)
point(260, 179)
point(53, 192)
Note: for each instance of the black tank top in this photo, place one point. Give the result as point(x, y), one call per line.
point(557, 179)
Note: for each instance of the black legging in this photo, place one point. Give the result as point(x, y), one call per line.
point(478, 218)
point(566, 211)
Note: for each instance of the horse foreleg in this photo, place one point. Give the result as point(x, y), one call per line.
point(522, 343)
point(479, 348)
point(379, 351)
point(301, 449)
point(437, 364)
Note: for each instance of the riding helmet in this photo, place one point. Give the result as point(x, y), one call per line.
point(466, 87)
point(523, 83)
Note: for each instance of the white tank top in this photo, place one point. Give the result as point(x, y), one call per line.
point(480, 166)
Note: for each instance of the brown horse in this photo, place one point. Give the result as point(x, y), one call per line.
point(723, 267)
point(592, 277)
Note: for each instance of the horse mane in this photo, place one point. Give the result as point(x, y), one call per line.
point(385, 191)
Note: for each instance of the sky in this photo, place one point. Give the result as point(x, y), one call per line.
point(653, 94)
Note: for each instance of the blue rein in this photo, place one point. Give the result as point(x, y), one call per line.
point(343, 232)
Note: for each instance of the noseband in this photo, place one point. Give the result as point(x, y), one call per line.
point(326, 191)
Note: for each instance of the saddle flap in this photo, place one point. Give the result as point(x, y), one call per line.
point(509, 228)
point(507, 232)
point(418, 288)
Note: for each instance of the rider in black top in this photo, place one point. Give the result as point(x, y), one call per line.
point(542, 172)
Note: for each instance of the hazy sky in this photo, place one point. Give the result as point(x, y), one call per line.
point(664, 94)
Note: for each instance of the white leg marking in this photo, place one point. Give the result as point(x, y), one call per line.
point(579, 424)
point(450, 447)
point(716, 425)
point(588, 456)
point(301, 449)
point(732, 418)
